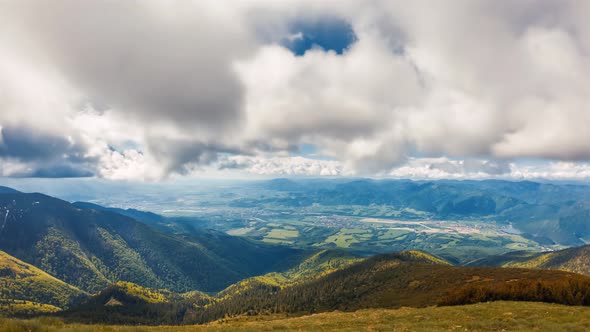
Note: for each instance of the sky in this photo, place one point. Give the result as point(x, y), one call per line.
point(156, 90)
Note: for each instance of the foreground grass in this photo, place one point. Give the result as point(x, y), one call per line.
point(497, 316)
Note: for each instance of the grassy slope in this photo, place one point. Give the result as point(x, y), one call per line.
point(496, 316)
point(22, 281)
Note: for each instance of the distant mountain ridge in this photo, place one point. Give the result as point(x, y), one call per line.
point(575, 260)
point(7, 190)
point(143, 216)
point(545, 212)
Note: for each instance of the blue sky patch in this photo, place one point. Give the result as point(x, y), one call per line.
point(331, 34)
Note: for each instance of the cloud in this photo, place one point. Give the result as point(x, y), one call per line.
point(336, 102)
point(27, 152)
point(10, 167)
point(152, 61)
point(61, 171)
point(146, 89)
point(422, 84)
point(29, 144)
point(281, 166)
point(414, 168)
point(128, 165)
point(471, 166)
point(445, 168)
point(554, 171)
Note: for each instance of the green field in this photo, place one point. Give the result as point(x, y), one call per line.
point(240, 231)
point(495, 316)
point(392, 234)
point(461, 241)
point(347, 237)
point(278, 233)
point(372, 229)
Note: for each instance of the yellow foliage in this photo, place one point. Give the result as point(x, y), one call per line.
point(146, 294)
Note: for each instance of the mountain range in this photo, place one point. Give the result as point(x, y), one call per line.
point(546, 212)
point(97, 264)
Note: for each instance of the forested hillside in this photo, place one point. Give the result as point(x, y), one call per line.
point(90, 249)
point(572, 259)
point(401, 279)
point(23, 282)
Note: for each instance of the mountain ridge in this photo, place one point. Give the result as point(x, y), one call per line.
point(576, 259)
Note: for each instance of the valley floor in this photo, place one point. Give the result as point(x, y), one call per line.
point(496, 316)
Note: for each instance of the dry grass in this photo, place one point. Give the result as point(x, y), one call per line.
point(497, 316)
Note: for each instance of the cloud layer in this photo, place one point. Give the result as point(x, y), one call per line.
point(148, 89)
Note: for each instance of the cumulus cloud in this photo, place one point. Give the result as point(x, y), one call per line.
point(27, 143)
point(163, 62)
point(27, 152)
point(414, 168)
point(145, 89)
point(282, 166)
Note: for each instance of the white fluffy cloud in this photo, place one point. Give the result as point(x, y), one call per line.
point(145, 89)
point(281, 166)
point(413, 168)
